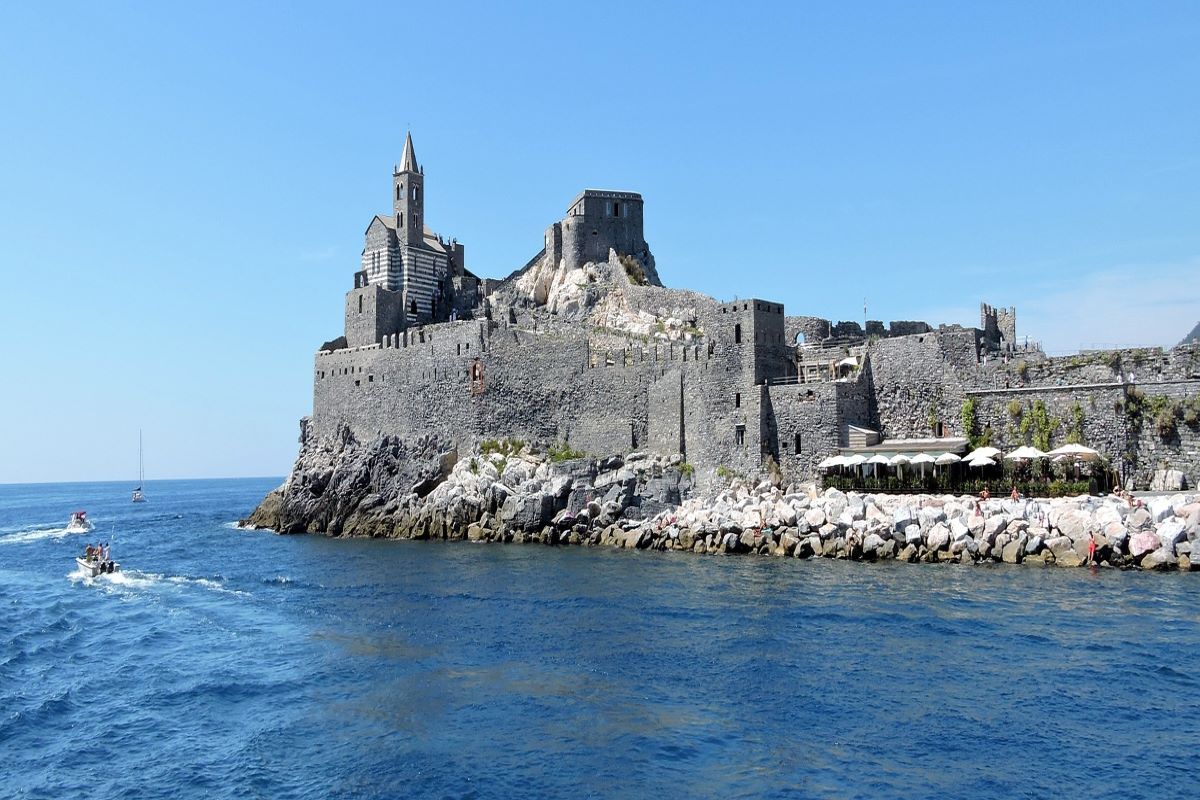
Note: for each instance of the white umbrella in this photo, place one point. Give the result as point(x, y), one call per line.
point(856, 460)
point(898, 461)
point(876, 460)
point(1076, 451)
point(1025, 453)
point(831, 462)
point(923, 459)
point(947, 458)
point(982, 452)
point(981, 461)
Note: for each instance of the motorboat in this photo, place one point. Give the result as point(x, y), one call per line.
point(79, 523)
point(95, 566)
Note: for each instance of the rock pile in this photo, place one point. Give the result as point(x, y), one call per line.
point(390, 489)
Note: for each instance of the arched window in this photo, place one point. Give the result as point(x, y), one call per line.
point(399, 186)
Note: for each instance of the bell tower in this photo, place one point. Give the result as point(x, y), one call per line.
point(408, 196)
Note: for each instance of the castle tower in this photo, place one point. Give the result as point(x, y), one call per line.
point(408, 196)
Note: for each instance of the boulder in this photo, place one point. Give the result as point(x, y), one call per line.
point(928, 517)
point(912, 534)
point(872, 543)
point(1014, 551)
point(902, 517)
point(1143, 542)
point(938, 537)
point(814, 517)
point(908, 554)
point(1160, 559)
point(958, 529)
point(1059, 545)
point(1171, 532)
point(1168, 480)
point(1139, 519)
point(1069, 558)
point(1161, 508)
point(993, 527)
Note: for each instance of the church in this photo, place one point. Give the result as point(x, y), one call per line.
point(409, 275)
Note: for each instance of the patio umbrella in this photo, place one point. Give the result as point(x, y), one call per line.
point(923, 459)
point(1075, 451)
point(831, 462)
point(856, 460)
point(981, 461)
point(898, 461)
point(876, 460)
point(945, 459)
point(982, 452)
point(1025, 453)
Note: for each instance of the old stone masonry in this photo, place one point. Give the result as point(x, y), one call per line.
point(582, 356)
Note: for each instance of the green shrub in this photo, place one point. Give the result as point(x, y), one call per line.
point(634, 270)
point(687, 469)
point(1039, 426)
point(561, 451)
point(1075, 432)
point(505, 447)
point(1112, 359)
point(1015, 408)
point(1191, 411)
point(1165, 412)
point(1022, 370)
point(969, 424)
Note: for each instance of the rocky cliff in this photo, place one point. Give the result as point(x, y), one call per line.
point(505, 493)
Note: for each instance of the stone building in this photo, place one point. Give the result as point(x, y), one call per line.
point(584, 345)
point(409, 275)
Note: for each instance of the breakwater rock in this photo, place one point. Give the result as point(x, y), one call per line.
point(396, 490)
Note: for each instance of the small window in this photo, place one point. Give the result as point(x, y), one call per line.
point(398, 187)
point(737, 333)
point(360, 304)
point(358, 383)
point(739, 435)
point(616, 209)
point(797, 444)
point(939, 429)
point(370, 379)
point(737, 400)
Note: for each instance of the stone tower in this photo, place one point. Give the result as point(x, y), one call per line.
point(408, 193)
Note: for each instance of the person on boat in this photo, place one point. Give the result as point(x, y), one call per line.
point(87, 554)
point(104, 553)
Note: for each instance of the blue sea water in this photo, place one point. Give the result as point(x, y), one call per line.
point(226, 664)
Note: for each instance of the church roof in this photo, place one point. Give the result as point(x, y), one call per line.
point(430, 238)
point(409, 162)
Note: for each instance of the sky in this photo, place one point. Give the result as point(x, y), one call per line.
point(184, 187)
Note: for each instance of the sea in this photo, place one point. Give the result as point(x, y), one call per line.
point(228, 663)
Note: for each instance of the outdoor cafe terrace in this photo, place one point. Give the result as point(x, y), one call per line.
point(943, 465)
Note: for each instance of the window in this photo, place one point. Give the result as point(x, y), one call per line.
point(360, 304)
point(398, 187)
point(737, 333)
point(616, 209)
point(797, 444)
point(739, 436)
point(939, 429)
point(737, 400)
point(414, 193)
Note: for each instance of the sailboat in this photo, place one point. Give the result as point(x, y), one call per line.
point(138, 497)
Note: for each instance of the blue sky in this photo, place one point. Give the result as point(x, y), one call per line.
point(185, 187)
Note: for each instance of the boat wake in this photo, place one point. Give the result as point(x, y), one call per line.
point(23, 537)
point(136, 580)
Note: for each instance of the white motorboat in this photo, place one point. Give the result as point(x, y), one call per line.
point(79, 523)
point(95, 566)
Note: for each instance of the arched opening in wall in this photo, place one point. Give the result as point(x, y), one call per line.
point(800, 338)
point(737, 333)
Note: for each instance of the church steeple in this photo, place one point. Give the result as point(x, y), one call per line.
point(408, 196)
point(409, 162)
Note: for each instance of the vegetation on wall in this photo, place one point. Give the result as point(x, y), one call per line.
point(1038, 426)
point(1015, 409)
point(1075, 431)
point(970, 425)
point(634, 270)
